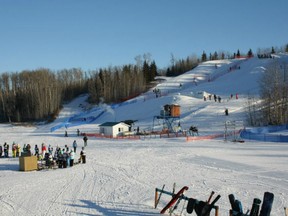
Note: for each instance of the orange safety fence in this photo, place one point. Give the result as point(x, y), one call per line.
point(111, 137)
point(214, 136)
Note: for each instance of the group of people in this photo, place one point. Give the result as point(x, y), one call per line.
point(4, 151)
point(216, 98)
point(62, 157)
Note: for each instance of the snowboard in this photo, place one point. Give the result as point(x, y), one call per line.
point(190, 205)
point(174, 199)
point(236, 205)
point(255, 207)
point(267, 204)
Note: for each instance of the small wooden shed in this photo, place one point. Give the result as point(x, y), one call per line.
point(114, 129)
point(172, 110)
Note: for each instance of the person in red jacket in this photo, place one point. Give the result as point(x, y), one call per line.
point(43, 149)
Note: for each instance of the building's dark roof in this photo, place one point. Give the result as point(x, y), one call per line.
point(111, 124)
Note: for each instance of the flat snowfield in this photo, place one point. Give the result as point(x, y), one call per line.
point(120, 176)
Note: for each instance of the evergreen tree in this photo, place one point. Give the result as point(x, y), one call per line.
point(204, 57)
point(222, 55)
point(146, 70)
point(286, 49)
point(238, 54)
point(215, 56)
point(272, 50)
point(153, 70)
point(250, 53)
point(169, 72)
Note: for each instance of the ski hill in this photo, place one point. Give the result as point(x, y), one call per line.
point(221, 77)
point(121, 175)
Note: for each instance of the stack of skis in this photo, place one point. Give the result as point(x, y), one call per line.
point(237, 210)
point(204, 208)
point(201, 208)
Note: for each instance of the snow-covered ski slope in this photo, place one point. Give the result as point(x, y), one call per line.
point(220, 77)
point(120, 176)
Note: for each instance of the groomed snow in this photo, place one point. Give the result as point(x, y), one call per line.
point(120, 176)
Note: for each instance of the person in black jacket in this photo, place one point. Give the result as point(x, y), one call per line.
point(85, 138)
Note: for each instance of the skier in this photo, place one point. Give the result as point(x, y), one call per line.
point(68, 158)
point(72, 155)
point(6, 150)
point(24, 148)
point(219, 99)
point(18, 150)
point(138, 130)
point(85, 138)
point(50, 149)
point(28, 149)
point(36, 150)
point(64, 157)
point(78, 132)
point(226, 112)
point(74, 145)
point(66, 148)
point(192, 130)
point(60, 159)
point(83, 156)
point(14, 149)
point(44, 149)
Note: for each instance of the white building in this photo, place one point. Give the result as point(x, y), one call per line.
point(114, 129)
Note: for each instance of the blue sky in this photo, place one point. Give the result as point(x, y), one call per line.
point(91, 34)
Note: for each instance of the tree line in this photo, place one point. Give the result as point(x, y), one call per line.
point(36, 95)
point(274, 94)
point(119, 83)
point(273, 106)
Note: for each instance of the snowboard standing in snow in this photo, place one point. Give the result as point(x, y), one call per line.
point(267, 204)
point(255, 207)
point(236, 205)
point(190, 205)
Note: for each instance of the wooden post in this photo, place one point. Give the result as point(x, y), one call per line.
point(156, 198)
point(216, 211)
